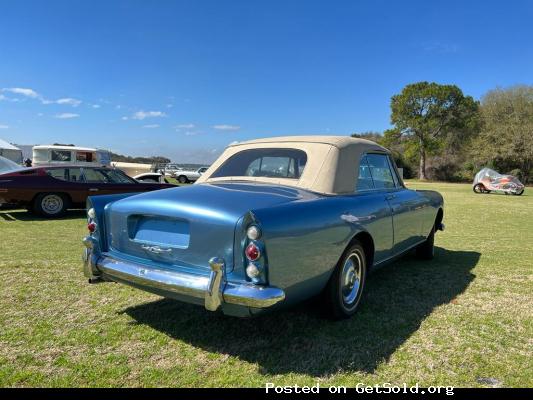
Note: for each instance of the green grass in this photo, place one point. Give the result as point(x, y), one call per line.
point(465, 316)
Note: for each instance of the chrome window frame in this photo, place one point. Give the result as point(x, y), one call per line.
point(398, 182)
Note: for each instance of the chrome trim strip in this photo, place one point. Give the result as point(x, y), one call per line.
point(213, 288)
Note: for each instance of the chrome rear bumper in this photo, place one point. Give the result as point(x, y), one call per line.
point(214, 289)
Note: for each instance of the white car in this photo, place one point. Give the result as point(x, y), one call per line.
point(151, 177)
point(170, 170)
point(189, 176)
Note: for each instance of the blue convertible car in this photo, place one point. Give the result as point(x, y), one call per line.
point(270, 223)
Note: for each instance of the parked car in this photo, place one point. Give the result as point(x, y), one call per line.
point(273, 222)
point(153, 177)
point(51, 190)
point(170, 170)
point(189, 176)
point(488, 180)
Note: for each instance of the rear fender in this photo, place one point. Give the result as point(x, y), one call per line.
point(99, 203)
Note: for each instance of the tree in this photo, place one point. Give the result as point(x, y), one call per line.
point(506, 139)
point(370, 135)
point(428, 115)
point(141, 160)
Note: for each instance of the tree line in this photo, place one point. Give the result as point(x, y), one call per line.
point(439, 133)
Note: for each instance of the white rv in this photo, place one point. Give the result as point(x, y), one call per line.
point(53, 154)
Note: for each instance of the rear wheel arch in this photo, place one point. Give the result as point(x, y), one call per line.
point(439, 217)
point(345, 286)
point(66, 195)
point(65, 201)
point(367, 242)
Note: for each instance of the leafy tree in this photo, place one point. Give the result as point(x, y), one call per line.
point(141, 160)
point(428, 116)
point(506, 139)
point(370, 135)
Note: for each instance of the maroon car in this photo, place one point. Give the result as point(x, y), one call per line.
point(51, 190)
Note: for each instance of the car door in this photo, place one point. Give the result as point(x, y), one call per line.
point(370, 208)
point(96, 182)
point(406, 205)
point(111, 181)
point(70, 181)
point(77, 185)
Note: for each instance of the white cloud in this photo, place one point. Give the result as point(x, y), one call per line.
point(151, 126)
point(96, 106)
point(40, 114)
point(66, 116)
point(32, 94)
point(185, 126)
point(124, 118)
point(226, 127)
point(23, 91)
point(191, 133)
point(148, 114)
point(170, 105)
point(4, 127)
point(69, 101)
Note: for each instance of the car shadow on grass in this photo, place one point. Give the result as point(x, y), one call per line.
point(302, 340)
point(24, 215)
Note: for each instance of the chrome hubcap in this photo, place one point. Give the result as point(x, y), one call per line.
point(351, 278)
point(52, 204)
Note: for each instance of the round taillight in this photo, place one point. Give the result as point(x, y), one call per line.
point(253, 232)
point(91, 213)
point(91, 226)
point(252, 271)
point(252, 252)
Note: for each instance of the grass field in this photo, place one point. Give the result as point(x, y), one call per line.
point(463, 319)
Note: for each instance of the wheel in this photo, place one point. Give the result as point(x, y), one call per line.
point(478, 188)
point(182, 179)
point(519, 193)
point(51, 205)
point(426, 250)
point(345, 287)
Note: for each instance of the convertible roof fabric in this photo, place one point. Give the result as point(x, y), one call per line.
point(332, 161)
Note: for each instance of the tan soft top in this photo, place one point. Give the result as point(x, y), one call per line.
point(332, 161)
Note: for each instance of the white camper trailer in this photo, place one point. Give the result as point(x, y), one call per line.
point(52, 154)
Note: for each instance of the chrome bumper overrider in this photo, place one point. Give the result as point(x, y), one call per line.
point(214, 289)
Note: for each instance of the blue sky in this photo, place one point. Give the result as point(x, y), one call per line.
point(185, 78)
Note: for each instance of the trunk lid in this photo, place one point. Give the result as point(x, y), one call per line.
point(184, 227)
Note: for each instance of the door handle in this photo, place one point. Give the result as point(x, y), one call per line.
point(93, 189)
point(390, 196)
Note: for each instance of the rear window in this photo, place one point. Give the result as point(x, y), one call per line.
point(269, 163)
point(85, 156)
point(65, 174)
